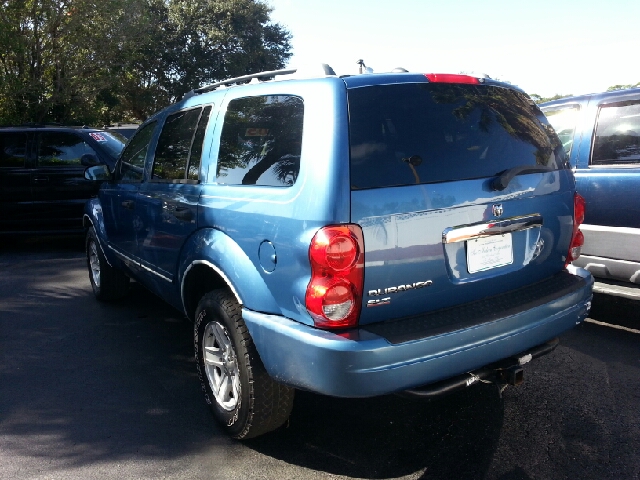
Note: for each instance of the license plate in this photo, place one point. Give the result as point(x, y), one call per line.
point(489, 252)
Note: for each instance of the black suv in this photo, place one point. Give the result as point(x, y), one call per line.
point(42, 184)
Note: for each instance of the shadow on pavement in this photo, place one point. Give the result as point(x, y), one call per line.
point(83, 382)
point(55, 244)
point(449, 437)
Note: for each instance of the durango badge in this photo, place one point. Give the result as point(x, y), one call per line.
point(399, 288)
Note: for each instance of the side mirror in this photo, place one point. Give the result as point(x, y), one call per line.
point(89, 160)
point(98, 173)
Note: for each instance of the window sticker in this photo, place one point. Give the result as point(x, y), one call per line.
point(256, 132)
point(98, 137)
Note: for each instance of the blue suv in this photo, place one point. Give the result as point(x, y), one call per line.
point(352, 236)
point(601, 134)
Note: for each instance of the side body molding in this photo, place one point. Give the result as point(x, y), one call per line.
point(216, 250)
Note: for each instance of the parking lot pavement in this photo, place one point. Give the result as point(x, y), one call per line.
point(92, 390)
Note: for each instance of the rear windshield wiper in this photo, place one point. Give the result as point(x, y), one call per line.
point(504, 178)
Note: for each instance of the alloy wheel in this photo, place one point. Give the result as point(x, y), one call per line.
point(94, 263)
point(221, 366)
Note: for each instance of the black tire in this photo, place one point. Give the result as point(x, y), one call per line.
point(252, 403)
point(107, 282)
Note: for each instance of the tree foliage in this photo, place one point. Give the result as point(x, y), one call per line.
point(622, 87)
point(83, 61)
point(539, 99)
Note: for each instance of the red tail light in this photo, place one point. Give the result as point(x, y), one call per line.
point(577, 239)
point(334, 293)
point(451, 78)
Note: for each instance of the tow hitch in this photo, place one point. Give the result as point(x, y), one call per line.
point(510, 376)
point(505, 372)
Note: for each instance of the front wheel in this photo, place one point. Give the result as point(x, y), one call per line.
point(107, 282)
point(245, 400)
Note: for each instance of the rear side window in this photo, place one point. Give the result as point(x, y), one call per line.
point(417, 133)
point(261, 141)
point(13, 149)
point(564, 121)
point(180, 146)
point(59, 149)
point(617, 136)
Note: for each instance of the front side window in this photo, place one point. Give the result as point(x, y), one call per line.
point(261, 141)
point(617, 136)
point(131, 166)
point(13, 149)
point(60, 149)
point(564, 120)
point(417, 133)
point(180, 146)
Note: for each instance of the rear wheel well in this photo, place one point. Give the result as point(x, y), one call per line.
point(200, 280)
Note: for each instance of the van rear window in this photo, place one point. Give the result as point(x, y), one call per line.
point(415, 133)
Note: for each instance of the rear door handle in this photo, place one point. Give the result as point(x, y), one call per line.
point(183, 214)
point(130, 204)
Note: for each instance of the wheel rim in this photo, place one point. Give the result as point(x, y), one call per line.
point(221, 366)
point(94, 263)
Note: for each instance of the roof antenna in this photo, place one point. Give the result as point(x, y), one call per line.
point(361, 65)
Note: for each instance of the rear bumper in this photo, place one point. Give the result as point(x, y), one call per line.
point(610, 268)
point(359, 363)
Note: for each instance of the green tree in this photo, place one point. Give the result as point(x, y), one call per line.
point(540, 99)
point(80, 61)
point(622, 87)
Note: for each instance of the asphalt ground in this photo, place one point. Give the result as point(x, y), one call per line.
point(100, 391)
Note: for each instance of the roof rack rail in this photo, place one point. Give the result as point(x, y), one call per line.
point(261, 76)
point(40, 124)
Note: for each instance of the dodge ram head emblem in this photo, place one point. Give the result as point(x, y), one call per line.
point(497, 210)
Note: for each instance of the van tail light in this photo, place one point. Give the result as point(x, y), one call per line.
point(451, 78)
point(577, 239)
point(334, 293)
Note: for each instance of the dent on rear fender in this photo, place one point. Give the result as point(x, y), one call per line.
point(222, 254)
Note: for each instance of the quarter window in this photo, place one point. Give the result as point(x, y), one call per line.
point(60, 149)
point(180, 146)
point(564, 121)
point(131, 166)
point(261, 141)
point(13, 149)
point(617, 137)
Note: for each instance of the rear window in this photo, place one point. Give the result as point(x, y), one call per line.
point(417, 133)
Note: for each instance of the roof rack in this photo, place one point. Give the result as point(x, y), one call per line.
point(261, 77)
point(43, 125)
